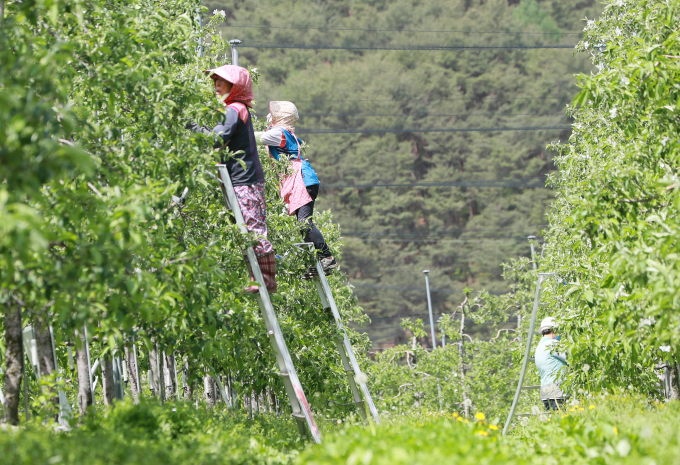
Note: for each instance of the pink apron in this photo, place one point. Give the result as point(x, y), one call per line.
point(293, 190)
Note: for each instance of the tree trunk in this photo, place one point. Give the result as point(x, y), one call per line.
point(247, 405)
point(44, 342)
point(84, 388)
point(209, 387)
point(272, 400)
point(232, 391)
point(674, 393)
point(461, 355)
point(133, 369)
point(107, 380)
point(169, 374)
point(187, 385)
point(14, 363)
point(154, 381)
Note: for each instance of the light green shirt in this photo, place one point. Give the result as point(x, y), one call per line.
point(549, 365)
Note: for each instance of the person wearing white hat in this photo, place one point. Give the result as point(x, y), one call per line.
point(299, 189)
point(550, 366)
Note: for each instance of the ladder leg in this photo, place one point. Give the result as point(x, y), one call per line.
point(527, 352)
point(326, 296)
point(291, 391)
point(302, 412)
point(349, 372)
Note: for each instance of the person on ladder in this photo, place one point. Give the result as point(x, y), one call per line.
point(234, 89)
point(300, 189)
point(550, 366)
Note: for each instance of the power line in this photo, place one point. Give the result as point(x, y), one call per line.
point(519, 238)
point(571, 33)
point(318, 115)
point(420, 289)
point(402, 288)
point(407, 99)
point(399, 131)
point(518, 182)
point(450, 231)
point(434, 235)
point(255, 44)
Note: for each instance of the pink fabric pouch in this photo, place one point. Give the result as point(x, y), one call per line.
point(293, 190)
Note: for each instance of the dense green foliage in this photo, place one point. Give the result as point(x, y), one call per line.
point(614, 224)
point(616, 430)
point(462, 234)
point(94, 102)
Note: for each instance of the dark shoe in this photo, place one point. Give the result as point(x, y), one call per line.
point(311, 273)
point(328, 264)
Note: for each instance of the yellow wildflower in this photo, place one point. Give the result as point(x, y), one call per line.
point(482, 433)
point(460, 419)
point(493, 427)
point(616, 431)
point(466, 421)
point(479, 416)
point(591, 407)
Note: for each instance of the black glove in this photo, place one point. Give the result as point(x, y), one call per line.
point(192, 126)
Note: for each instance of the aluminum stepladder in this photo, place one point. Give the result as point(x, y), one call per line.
point(298, 401)
point(349, 360)
point(527, 355)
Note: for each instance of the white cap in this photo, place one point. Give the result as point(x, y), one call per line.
point(546, 324)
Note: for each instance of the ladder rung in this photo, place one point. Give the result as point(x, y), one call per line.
point(358, 402)
point(284, 374)
point(531, 387)
point(349, 370)
point(271, 333)
point(298, 416)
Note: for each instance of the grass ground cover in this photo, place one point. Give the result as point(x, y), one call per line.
point(608, 430)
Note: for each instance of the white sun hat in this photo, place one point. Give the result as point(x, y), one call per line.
point(547, 323)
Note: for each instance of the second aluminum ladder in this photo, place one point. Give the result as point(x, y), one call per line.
point(349, 360)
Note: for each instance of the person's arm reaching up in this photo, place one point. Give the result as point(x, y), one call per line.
point(273, 137)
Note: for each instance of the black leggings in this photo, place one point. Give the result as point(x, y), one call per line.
point(309, 231)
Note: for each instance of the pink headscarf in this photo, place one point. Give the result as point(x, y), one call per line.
point(242, 90)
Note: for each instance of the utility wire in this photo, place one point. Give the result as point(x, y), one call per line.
point(445, 240)
point(408, 99)
point(323, 115)
point(402, 288)
point(517, 182)
point(420, 289)
point(255, 44)
point(433, 235)
point(571, 33)
point(399, 131)
point(450, 231)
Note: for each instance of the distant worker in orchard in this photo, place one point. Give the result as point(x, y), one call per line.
point(300, 189)
point(233, 87)
point(550, 366)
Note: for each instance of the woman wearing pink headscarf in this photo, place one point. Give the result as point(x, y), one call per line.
point(234, 134)
point(300, 189)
